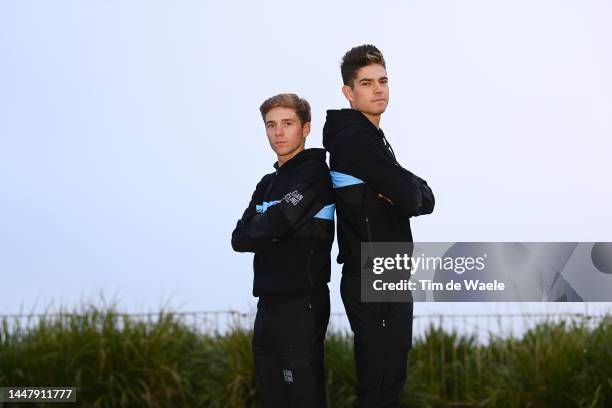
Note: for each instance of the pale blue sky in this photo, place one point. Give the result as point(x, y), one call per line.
point(130, 137)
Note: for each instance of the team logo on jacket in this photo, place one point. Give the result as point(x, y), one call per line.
point(293, 197)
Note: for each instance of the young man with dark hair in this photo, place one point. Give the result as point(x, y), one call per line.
point(375, 198)
point(289, 225)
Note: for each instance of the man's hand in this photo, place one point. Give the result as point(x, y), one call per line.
point(385, 198)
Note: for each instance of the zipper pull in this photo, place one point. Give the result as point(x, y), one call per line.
point(383, 323)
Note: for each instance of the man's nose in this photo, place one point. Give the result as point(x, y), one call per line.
point(377, 88)
point(278, 131)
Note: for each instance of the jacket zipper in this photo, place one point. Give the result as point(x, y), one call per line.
point(369, 232)
point(310, 254)
point(367, 221)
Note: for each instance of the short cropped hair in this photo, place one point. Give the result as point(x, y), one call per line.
point(287, 100)
point(357, 58)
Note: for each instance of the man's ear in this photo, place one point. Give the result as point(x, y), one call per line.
point(306, 130)
point(348, 93)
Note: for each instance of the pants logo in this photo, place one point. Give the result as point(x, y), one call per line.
point(288, 376)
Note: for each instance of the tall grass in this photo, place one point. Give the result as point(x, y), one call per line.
point(119, 361)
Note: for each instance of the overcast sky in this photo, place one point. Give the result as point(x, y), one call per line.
point(131, 141)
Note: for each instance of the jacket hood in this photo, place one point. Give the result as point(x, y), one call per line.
point(338, 119)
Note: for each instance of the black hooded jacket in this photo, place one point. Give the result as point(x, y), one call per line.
point(289, 225)
point(363, 166)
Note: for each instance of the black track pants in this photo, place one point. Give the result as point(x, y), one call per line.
point(288, 350)
point(382, 339)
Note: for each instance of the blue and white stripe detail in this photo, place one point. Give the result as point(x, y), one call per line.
point(327, 212)
point(343, 180)
point(265, 205)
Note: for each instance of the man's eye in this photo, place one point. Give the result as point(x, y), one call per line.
point(270, 125)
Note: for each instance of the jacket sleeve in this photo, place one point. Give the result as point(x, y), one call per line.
point(409, 193)
point(300, 203)
point(241, 241)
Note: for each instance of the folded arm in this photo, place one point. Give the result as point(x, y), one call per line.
point(409, 193)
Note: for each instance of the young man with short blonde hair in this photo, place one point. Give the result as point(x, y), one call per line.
point(289, 225)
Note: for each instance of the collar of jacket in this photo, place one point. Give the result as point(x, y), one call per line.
point(301, 157)
point(354, 116)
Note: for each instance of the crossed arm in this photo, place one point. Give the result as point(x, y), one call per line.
point(257, 231)
point(409, 193)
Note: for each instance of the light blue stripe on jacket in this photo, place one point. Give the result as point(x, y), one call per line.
point(343, 180)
